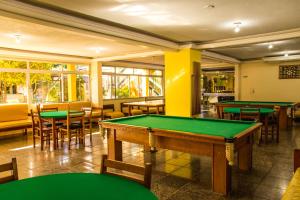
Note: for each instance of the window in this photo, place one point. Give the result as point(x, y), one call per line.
point(43, 82)
point(122, 82)
point(12, 87)
point(45, 88)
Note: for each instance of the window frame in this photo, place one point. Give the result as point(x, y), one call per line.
point(115, 74)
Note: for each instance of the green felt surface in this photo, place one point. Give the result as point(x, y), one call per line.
point(215, 127)
point(59, 114)
point(75, 186)
point(54, 114)
point(289, 104)
point(264, 111)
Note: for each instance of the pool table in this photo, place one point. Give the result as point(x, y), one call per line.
point(284, 107)
point(216, 138)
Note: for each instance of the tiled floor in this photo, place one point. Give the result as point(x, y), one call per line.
point(176, 175)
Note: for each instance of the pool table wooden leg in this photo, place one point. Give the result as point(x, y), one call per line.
point(283, 118)
point(114, 146)
point(221, 171)
point(245, 155)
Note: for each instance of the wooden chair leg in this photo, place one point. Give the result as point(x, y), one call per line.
point(42, 142)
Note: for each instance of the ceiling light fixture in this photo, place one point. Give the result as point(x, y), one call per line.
point(17, 38)
point(286, 55)
point(270, 46)
point(237, 27)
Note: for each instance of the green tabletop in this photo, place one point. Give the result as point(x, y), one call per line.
point(288, 104)
point(59, 114)
point(75, 186)
point(215, 127)
point(263, 111)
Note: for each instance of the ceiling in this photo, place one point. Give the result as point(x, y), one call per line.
point(40, 38)
point(177, 21)
point(254, 51)
point(191, 20)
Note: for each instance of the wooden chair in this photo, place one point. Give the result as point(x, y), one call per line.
point(88, 120)
point(12, 166)
point(43, 128)
point(108, 112)
point(140, 170)
point(73, 128)
point(250, 114)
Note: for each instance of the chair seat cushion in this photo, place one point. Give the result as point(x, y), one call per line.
point(151, 110)
point(114, 114)
point(293, 189)
point(136, 112)
point(16, 124)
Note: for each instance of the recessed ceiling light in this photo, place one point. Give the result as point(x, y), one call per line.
point(270, 46)
point(17, 38)
point(286, 55)
point(98, 49)
point(237, 27)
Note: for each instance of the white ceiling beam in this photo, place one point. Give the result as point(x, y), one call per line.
point(281, 58)
point(6, 53)
point(35, 14)
point(253, 39)
point(129, 56)
point(219, 57)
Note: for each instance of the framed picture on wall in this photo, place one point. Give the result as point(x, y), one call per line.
point(289, 71)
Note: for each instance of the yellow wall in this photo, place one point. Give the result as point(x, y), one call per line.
point(178, 71)
point(96, 83)
point(260, 81)
point(72, 96)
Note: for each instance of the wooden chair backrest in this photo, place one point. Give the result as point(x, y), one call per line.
point(38, 115)
point(12, 166)
point(145, 171)
point(77, 116)
point(250, 114)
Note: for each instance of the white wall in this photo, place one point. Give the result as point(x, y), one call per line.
point(260, 81)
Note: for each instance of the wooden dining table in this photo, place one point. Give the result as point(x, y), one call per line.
point(75, 186)
point(55, 116)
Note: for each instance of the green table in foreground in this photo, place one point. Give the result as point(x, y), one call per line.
point(284, 107)
point(218, 139)
point(78, 186)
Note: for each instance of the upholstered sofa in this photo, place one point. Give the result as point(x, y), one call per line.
point(293, 190)
point(14, 117)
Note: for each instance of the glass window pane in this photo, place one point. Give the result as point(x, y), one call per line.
point(108, 87)
point(13, 64)
point(134, 86)
point(106, 69)
point(141, 71)
point(122, 86)
point(45, 88)
point(12, 87)
point(155, 72)
point(124, 70)
point(46, 66)
point(143, 86)
point(155, 86)
point(82, 88)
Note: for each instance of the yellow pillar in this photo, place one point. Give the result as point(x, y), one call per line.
point(72, 93)
point(178, 81)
